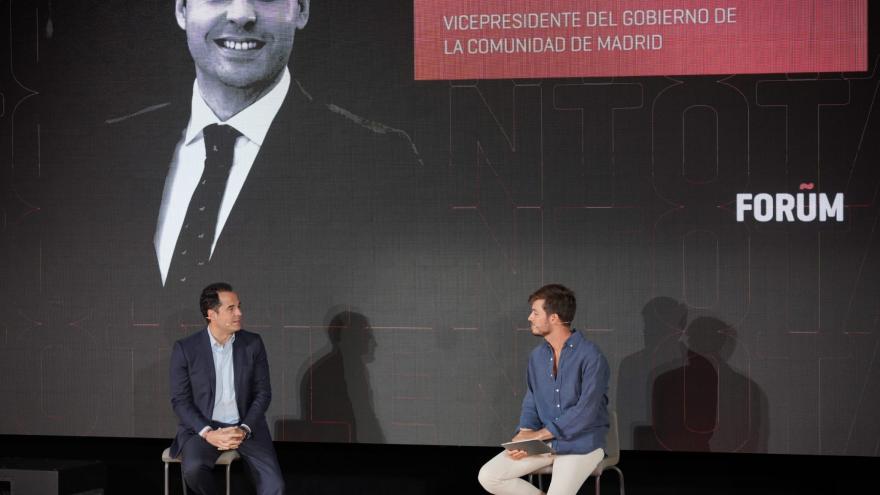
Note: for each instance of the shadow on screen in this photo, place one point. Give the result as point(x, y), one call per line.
point(704, 404)
point(664, 320)
point(335, 394)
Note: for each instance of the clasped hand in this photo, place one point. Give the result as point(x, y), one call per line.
point(228, 438)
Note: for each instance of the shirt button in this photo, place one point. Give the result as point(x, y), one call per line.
point(557, 390)
point(557, 405)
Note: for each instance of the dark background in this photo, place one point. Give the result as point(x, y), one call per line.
point(622, 189)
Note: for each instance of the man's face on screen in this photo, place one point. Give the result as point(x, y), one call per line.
point(243, 44)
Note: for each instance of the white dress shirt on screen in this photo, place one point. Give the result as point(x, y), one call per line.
point(188, 163)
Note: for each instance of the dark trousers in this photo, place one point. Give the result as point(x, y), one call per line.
point(199, 457)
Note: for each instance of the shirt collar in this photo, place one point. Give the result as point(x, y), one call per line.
point(572, 341)
point(253, 122)
point(215, 343)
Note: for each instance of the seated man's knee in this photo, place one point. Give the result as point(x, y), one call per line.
point(192, 470)
point(487, 478)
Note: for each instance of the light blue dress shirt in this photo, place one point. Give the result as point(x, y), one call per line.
point(225, 408)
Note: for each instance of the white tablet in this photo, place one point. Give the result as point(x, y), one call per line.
point(532, 447)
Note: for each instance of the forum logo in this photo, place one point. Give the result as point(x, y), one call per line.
point(805, 206)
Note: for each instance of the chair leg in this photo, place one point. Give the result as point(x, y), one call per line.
point(540, 484)
point(620, 477)
point(182, 480)
point(166, 479)
point(598, 483)
point(228, 488)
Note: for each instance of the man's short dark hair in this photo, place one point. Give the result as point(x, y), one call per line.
point(210, 298)
point(558, 300)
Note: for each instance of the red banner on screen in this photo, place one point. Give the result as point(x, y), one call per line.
point(492, 39)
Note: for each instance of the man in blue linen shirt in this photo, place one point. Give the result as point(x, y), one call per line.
point(565, 403)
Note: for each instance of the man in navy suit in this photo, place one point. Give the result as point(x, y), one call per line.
point(220, 392)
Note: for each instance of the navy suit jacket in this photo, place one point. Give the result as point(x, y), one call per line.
point(193, 383)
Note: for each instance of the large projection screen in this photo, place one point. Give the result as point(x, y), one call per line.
point(711, 196)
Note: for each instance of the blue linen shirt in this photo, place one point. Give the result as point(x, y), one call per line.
point(573, 405)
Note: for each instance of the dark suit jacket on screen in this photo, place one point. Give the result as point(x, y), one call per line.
point(193, 383)
point(332, 204)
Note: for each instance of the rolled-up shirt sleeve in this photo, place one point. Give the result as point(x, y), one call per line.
point(529, 417)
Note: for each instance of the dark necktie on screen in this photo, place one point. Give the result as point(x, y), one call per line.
point(193, 249)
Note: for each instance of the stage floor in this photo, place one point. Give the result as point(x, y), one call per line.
point(133, 466)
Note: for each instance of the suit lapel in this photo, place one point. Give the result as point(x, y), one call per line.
point(145, 145)
point(162, 152)
point(208, 356)
point(238, 358)
point(263, 191)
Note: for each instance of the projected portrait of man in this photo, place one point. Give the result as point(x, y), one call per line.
point(246, 175)
point(240, 50)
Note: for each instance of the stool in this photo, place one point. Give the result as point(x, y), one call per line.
point(225, 459)
point(612, 457)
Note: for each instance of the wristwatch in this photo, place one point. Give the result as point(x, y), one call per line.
point(247, 431)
